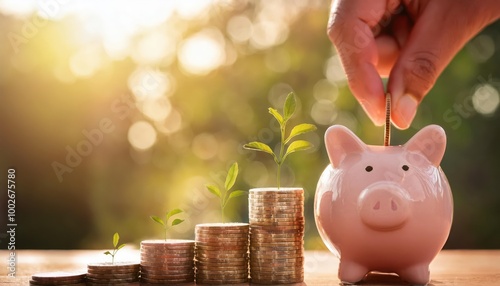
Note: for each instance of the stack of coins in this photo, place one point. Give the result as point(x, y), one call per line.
point(221, 255)
point(167, 261)
point(58, 278)
point(276, 235)
point(117, 273)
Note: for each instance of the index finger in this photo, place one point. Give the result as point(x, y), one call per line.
point(350, 31)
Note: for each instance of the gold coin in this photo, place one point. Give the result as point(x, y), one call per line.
point(225, 281)
point(167, 281)
point(115, 266)
point(387, 129)
point(174, 243)
point(276, 229)
point(222, 226)
point(65, 283)
point(51, 277)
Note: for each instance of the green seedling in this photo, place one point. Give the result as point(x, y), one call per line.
point(116, 239)
point(226, 194)
point(285, 142)
point(165, 223)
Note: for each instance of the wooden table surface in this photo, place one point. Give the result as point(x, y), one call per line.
point(451, 267)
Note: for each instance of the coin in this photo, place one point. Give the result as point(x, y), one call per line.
point(168, 242)
point(221, 281)
point(36, 283)
point(387, 129)
point(114, 266)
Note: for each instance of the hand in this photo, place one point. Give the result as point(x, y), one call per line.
point(411, 41)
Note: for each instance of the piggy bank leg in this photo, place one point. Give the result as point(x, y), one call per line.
point(417, 274)
point(351, 272)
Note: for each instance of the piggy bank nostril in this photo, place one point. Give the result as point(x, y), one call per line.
point(394, 206)
point(376, 206)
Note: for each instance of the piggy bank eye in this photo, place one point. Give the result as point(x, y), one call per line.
point(368, 168)
point(405, 168)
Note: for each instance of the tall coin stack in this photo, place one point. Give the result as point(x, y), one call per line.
point(221, 255)
point(276, 235)
point(167, 261)
point(117, 273)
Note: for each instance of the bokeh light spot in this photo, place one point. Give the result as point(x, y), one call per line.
point(323, 112)
point(268, 33)
point(157, 109)
point(142, 135)
point(202, 52)
point(146, 83)
point(486, 99)
point(154, 48)
point(205, 146)
point(334, 71)
point(239, 28)
point(171, 124)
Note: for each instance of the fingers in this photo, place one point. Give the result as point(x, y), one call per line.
point(350, 29)
point(438, 34)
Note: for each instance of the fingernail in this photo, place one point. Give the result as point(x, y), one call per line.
point(406, 108)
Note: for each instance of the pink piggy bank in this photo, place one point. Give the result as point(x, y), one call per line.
point(384, 208)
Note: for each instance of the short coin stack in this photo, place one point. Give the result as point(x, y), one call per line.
point(221, 255)
point(167, 261)
point(58, 278)
point(117, 273)
point(276, 235)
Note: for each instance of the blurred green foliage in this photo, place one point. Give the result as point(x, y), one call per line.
point(49, 98)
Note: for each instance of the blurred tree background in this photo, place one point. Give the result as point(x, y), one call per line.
point(113, 111)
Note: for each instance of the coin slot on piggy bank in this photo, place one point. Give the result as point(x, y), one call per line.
point(384, 208)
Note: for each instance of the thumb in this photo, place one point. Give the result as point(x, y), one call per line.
point(438, 34)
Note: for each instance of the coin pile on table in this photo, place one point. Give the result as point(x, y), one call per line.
point(117, 273)
point(276, 235)
point(221, 255)
point(59, 278)
point(167, 261)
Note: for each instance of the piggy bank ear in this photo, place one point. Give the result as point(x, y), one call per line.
point(430, 142)
point(340, 142)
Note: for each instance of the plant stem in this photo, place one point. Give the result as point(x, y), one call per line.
point(279, 175)
point(282, 149)
point(222, 208)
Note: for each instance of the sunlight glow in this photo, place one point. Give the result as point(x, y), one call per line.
point(86, 62)
point(193, 8)
point(202, 52)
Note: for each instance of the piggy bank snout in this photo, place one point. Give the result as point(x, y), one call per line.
point(384, 206)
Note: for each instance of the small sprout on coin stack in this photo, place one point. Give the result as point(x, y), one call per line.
point(165, 224)
point(292, 147)
point(116, 239)
point(227, 194)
